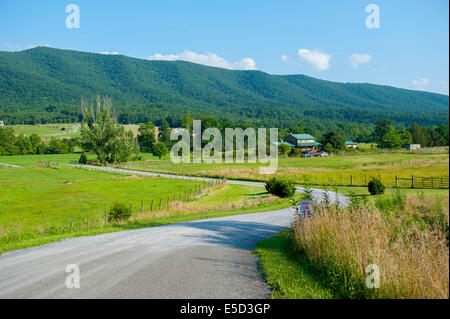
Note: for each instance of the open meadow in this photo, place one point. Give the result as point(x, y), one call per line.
point(39, 204)
point(347, 170)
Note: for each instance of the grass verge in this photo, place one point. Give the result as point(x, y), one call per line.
point(289, 273)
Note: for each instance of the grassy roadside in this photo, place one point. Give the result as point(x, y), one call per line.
point(136, 224)
point(328, 256)
point(290, 274)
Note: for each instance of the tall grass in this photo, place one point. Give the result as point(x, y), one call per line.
point(409, 244)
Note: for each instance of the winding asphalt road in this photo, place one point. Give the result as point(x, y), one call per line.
point(209, 258)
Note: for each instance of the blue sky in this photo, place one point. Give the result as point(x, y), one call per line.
point(323, 39)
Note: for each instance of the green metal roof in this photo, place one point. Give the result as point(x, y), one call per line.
point(350, 143)
point(303, 136)
point(287, 143)
point(309, 144)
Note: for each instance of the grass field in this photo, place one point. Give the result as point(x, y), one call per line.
point(40, 204)
point(48, 130)
point(58, 129)
point(333, 170)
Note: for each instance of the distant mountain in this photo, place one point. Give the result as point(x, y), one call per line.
point(45, 85)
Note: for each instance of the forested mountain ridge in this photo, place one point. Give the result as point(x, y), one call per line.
point(46, 84)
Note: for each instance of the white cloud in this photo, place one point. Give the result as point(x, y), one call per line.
point(210, 59)
point(420, 84)
point(318, 60)
point(109, 53)
point(357, 59)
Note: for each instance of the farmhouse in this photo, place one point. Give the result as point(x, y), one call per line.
point(304, 142)
point(1, 123)
point(411, 147)
point(350, 144)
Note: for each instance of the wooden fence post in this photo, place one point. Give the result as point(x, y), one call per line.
point(142, 208)
point(151, 209)
point(160, 203)
point(351, 180)
point(412, 181)
point(396, 181)
point(131, 209)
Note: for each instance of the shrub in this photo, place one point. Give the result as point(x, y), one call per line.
point(281, 187)
point(376, 187)
point(83, 159)
point(119, 212)
point(327, 148)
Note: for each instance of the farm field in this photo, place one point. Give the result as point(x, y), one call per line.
point(40, 204)
point(48, 130)
point(58, 129)
point(332, 170)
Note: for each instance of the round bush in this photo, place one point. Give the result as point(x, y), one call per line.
point(119, 212)
point(281, 187)
point(376, 187)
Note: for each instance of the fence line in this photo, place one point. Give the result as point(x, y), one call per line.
point(423, 182)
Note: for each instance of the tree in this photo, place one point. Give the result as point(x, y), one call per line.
point(187, 121)
point(57, 146)
point(83, 159)
point(283, 149)
point(381, 128)
point(24, 145)
point(164, 134)
point(146, 136)
point(35, 141)
point(419, 135)
point(443, 130)
point(7, 141)
point(294, 152)
point(327, 148)
point(405, 136)
point(391, 139)
point(101, 134)
point(160, 149)
point(334, 139)
point(438, 139)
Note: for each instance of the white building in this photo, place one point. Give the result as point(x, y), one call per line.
point(1, 123)
point(411, 147)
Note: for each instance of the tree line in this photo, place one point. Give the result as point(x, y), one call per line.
point(102, 135)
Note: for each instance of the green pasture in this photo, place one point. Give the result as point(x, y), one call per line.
point(353, 170)
point(42, 204)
